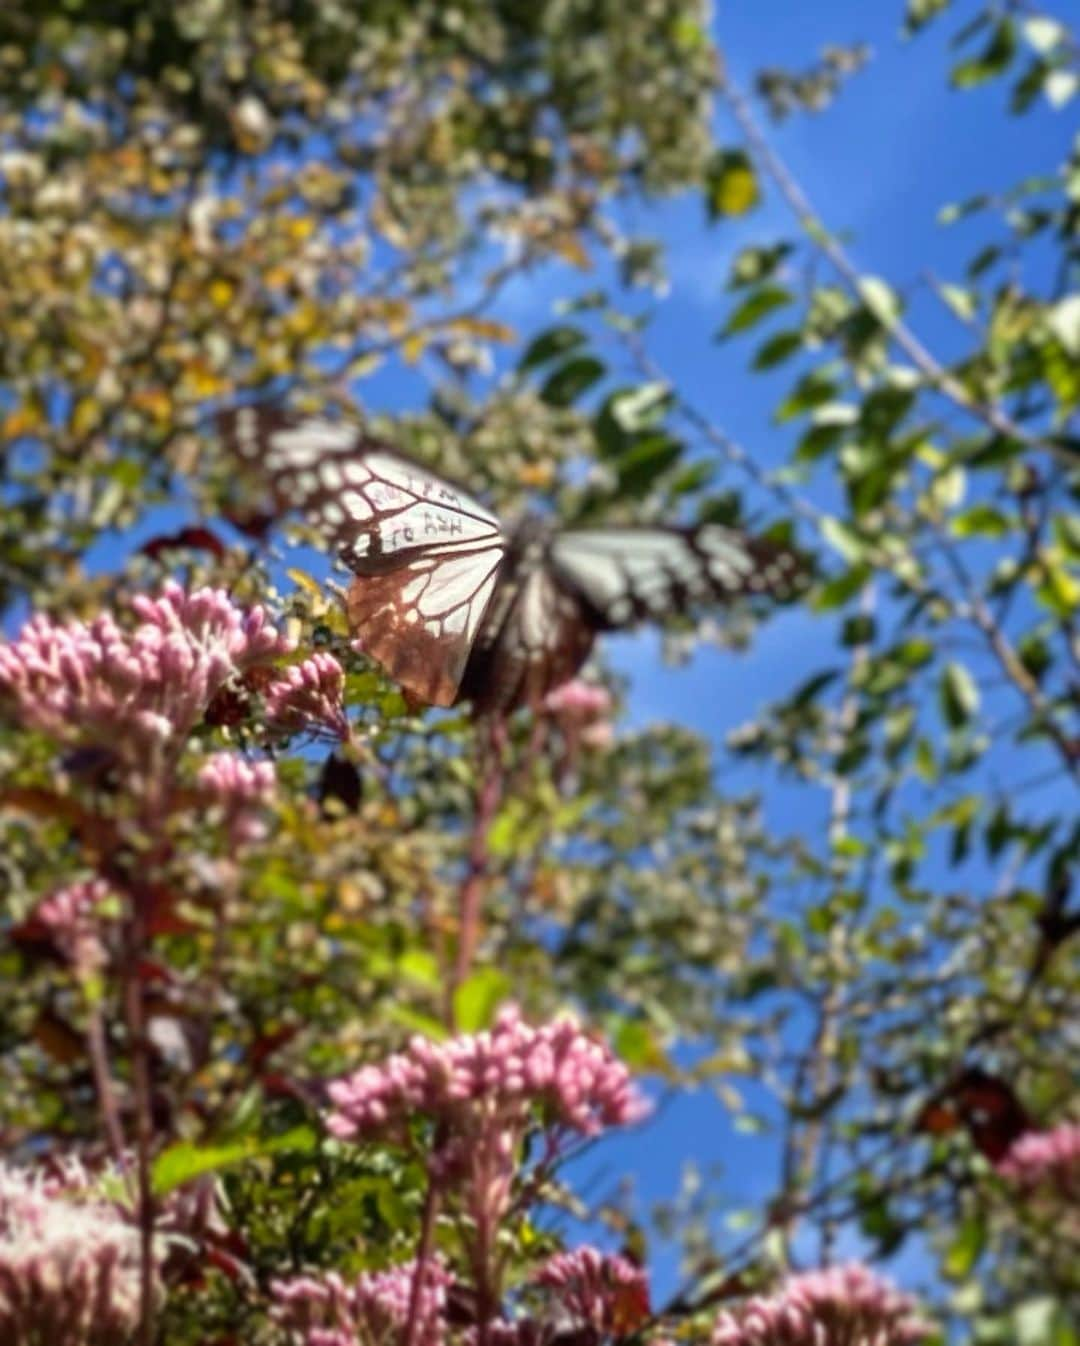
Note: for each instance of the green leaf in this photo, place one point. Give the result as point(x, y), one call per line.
point(640, 408)
point(1043, 34)
point(731, 186)
point(477, 1000)
point(844, 539)
point(982, 521)
point(842, 589)
point(958, 210)
point(1061, 87)
point(964, 303)
point(757, 305)
point(638, 470)
point(965, 1249)
point(550, 345)
point(1063, 319)
point(182, 1162)
point(1039, 1322)
point(880, 298)
point(920, 12)
point(815, 389)
point(571, 379)
point(753, 265)
point(994, 59)
point(958, 695)
point(777, 349)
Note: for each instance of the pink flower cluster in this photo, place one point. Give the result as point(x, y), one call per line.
point(597, 1290)
point(308, 698)
point(577, 1080)
point(372, 1311)
point(582, 711)
point(69, 1269)
point(240, 789)
point(141, 691)
point(577, 697)
point(1045, 1158)
point(839, 1306)
point(67, 917)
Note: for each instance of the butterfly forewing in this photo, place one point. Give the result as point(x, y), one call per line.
point(375, 506)
point(628, 575)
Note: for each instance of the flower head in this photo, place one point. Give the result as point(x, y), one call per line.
point(577, 1080)
point(240, 789)
point(69, 1268)
point(373, 1309)
point(309, 698)
point(1045, 1158)
point(139, 691)
point(68, 919)
point(846, 1306)
point(582, 711)
point(596, 1290)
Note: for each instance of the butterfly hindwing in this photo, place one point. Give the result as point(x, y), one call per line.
point(630, 575)
point(419, 621)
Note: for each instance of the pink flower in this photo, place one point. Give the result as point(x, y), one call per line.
point(309, 698)
point(578, 698)
point(581, 710)
point(137, 692)
point(69, 1269)
point(67, 917)
point(371, 1311)
point(597, 1290)
point(578, 1082)
point(1045, 1158)
point(840, 1306)
point(240, 789)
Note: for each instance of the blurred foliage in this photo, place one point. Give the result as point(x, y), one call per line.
point(210, 200)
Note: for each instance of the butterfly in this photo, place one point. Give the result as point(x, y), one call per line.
point(986, 1105)
point(455, 606)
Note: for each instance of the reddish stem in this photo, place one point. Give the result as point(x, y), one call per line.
point(488, 799)
point(423, 1254)
point(98, 1051)
point(141, 1096)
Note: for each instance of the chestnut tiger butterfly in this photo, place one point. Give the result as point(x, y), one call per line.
point(457, 607)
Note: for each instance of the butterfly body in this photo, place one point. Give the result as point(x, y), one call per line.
point(456, 606)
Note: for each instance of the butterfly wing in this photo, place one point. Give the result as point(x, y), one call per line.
point(425, 554)
point(376, 506)
point(419, 620)
point(537, 634)
point(630, 575)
